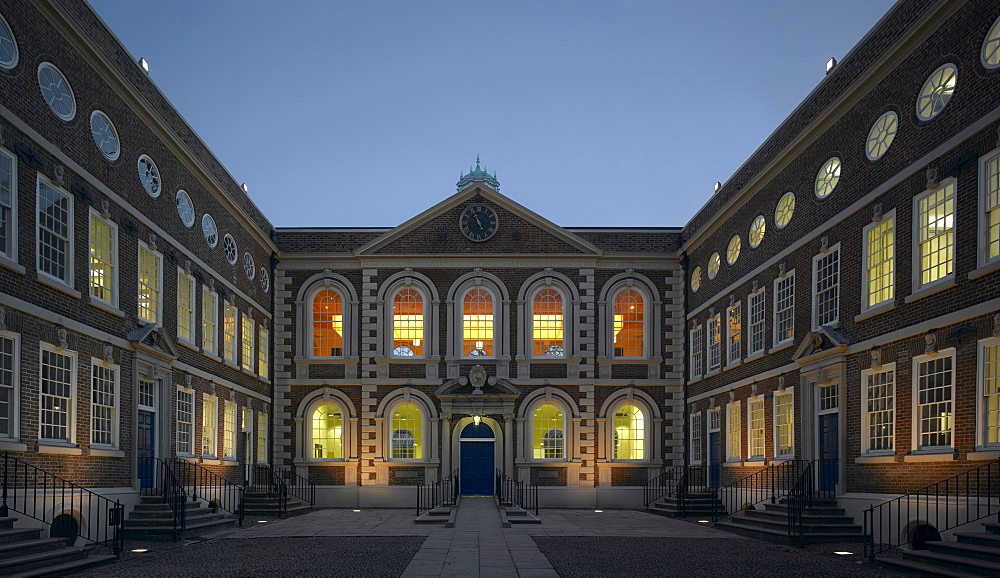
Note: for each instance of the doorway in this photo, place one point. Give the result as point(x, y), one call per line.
point(146, 447)
point(828, 436)
point(476, 460)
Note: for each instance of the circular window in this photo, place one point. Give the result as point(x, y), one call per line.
point(249, 267)
point(8, 46)
point(265, 280)
point(105, 135)
point(827, 178)
point(757, 230)
point(733, 251)
point(229, 247)
point(185, 209)
point(696, 279)
point(990, 53)
point(785, 209)
point(714, 262)
point(937, 91)
point(149, 176)
point(881, 135)
point(56, 91)
point(208, 228)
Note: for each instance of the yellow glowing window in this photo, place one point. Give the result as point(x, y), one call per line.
point(407, 430)
point(209, 315)
point(327, 433)
point(990, 53)
point(547, 324)
point(477, 323)
point(262, 351)
point(209, 423)
point(629, 329)
point(185, 307)
point(827, 178)
point(229, 332)
point(714, 263)
point(328, 324)
point(880, 261)
point(785, 209)
point(733, 252)
point(937, 91)
point(547, 439)
point(991, 389)
point(991, 185)
point(246, 344)
point(629, 433)
point(149, 285)
point(102, 259)
point(757, 230)
point(696, 279)
point(936, 222)
point(757, 427)
point(408, 323)
point(734, 451)
point(784, 423)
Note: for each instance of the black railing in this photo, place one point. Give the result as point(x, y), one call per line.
point(511, 492)
point(666, 485)
point(764, 485)
point(298, 486)
point(966, 497)
point(43, 496)
point(201, 483)
point(156, 478)
point(817, 480)
point(268, 480)
point(435, 494)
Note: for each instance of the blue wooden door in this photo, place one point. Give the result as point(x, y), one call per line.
point(477, 460)
point(829, 451)
point(714, 458)
point(145, 449)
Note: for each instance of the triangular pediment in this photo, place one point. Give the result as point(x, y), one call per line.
point(437, 231)
point(152, 340)
point(823, 342)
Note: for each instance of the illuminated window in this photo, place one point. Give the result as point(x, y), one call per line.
point(935, 234)
point(407, 433)
point(408, 323)
point(714, 263)
point(629, 324)
point(756, 330)
point(261, 438)
point(829, 397)
point(8, 201)
point(784, 423)
point(150, 281)
point(103, 259)
point(989, 186)
point(328, 324)
point(328, 433)
point(827, 178)
point(733, 251)
point(989, 404)
point(937, 91)
point(757, 230)
point(880, 261)
point(990, 54)
point(629, 433)
point(696, 450)
point(9, 377)
point(697, 352)
point(548, 441)
point(826, 287)
point(229, 431)
point(247, 341)
point(185, 306)
point(209, 320)
point(209, 426)
point(696, 279)
point(55, 232)
point(229, 332)
point(477, 323)
point(881, 135)
point(734, 333)
point(734, 450)
point(755, 408)
point(714, 345)
point(262, 350)
point(185, 422)
point(104, 405)
point(784, 211)
point(547, 324)
point(935, 380)
point(784, 308)
point(879, 407)
point(57, 374)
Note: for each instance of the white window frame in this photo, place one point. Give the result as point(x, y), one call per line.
point(391, 322)
point(230, 355)
point(181, 426)
point(647, 430)
point(72, 400)
point(697, 353)
point(755, 325)
point(788, 277)
point(713, 343)
point(15, 394)
point(192, 328)
point(916, 448)
point(564, 428)
point(731, 410)
point(982, 407)
point(790, 391)
point(530, 318)
point(159, 291)
point(916, 269)
point(762, 429)
point(113, 289)
point(115, 408)
point(497, 323)
point(696, 438)
point(229, 430)
point(263, 351)
point(648, 312)
point(345, 415)
point(248, 340)
point(346, 324)
point(734, 339)
point(9, 253)
point(984, 221)
point(425, 433)
point(835, 288)
point(866, 423)
point(262, 430)
point(211, 317)
point(215, 429)
point(71, 236)
point(866, 288)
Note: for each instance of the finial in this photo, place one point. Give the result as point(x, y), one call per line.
point(477, 161)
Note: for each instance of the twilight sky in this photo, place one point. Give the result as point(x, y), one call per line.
point(593, 113)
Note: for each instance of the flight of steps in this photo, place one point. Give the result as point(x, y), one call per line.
point(970, 554)
point(823, 522)
point(24, 552)
point(515, 515)
point(262, 504)
point(700, 504)
point(152, 520)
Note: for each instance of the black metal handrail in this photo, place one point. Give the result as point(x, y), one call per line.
point(766, 484)
point(512, 492)
point(666, 484)
point(936, 505)
point(157, 479)
point(38, 494)
point(817, 480)
point(435, 494)
point(201, 483)
point(268, 480)
point(298, 486)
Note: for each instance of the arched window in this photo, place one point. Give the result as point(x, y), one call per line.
point(407, 433)
point(629, 324)
point(408, 323)
point(328, 324)
point(328, 432)
point(477, 323)
point(547, 438)
point(629, 433)
point(547, 324)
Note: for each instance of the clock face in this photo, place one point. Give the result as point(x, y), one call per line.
point(478, 223)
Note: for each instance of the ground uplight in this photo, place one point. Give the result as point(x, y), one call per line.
point(844, 553)
point(140, 550)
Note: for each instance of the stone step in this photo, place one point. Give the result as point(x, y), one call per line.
point(22, 547)
point(952, 562)
point(992, 527)
point(781, 536)
point(781, 523)
point(981, 538)
point(192, 517)
point(19, 534)
point(43, 559)
point(990, 553)
point(807, 517)
point(921, 569)
point(68, 568)
point(7, 523)
point(291, 510)
point(166, 532)
point(818, 510)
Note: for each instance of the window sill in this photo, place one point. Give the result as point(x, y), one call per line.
point(249, 372)
point(874, 310)
point(755, 462)
point(187, 344)
point(105, 306)
point(13, 446)
point(981, 271)
point(732, 365)
point(738, 464)
point(11, 264)
point(782, 345)
point(230, 364)
point(889, 459)
point(106, 453)
point(713, 373)
point(754, 357)
point(782, 459)
point(58, 286)
point(411, 359)
point(623, 360)
point(211, 355)
point(322, 360)
point(983, 454)
point(210, 461)
point(695, 379)
point(550, 359)
point(928, 290)
point(929, 457)
point(61, 449)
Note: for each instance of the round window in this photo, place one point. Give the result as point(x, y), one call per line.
point(210, 231)
point(991, 47)
point(149, 176)
point(249, 267)
point(8, 46)
point(714, 262)
point(881, 135)
point(827, 178)
point(785, 209)
point(696, 279)
point(56, 91)
point(185, 209)
point(757, 230)
point(265, 280)
point(229, 247)
point(733, 252)
point(937, 91)
point(105, 135)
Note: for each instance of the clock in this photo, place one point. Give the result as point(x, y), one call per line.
point(478, 223)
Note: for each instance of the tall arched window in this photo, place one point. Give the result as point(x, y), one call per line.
point(547, 436)
point(547, 324)
point(327, 432)
point(327, 324)
point(408, 323)
point(629, 324)
point(407, 433)
point(477, 323)
point(629, 433)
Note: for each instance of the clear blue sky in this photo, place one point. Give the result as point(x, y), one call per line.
point(364, 113)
